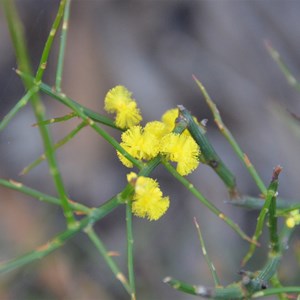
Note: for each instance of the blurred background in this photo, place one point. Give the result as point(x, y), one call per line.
point(153, 48)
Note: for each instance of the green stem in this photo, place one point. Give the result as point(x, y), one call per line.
point(209, 154)
point(63, 39)
point(284, 69)
point(270, 197)
point(130, 242)
point(275, 291)
point(110, 262)
point(18, 186)
point(56, 146)
point(43, 63)
point(227, 134)
point(206, 256)
point(204, 201)
point(57, 120)
point(283, 206)
point(21, 103)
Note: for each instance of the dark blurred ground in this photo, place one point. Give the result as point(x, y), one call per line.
point(153, 48)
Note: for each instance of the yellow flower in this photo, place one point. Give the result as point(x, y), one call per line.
point(181, 149)
point(119, 100)
point(139, 143)
point(293, 219)
point(148, 201)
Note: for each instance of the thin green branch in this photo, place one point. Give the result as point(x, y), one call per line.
point(20, 104)
point(276, 291)
point(18, 186)
point(56, 146)
point(63, 39)
point(270, 197)
point(130, 242)
point(206, 256)
point(204, 201)
point(57, 120)
point(282, 66)
point(110, 262)
point(43, 63)
point(227, 134)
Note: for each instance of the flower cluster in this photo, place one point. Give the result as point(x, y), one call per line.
point(119, 101)
point(148, 201)
point(145, 143)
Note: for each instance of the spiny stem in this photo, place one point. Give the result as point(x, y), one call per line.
point(17, 34)
point(20, 104)
point(63, 39)
point(89, 230)
point(56, 146)
point(207, 203)
point(206, 256)
point(130, 242)
point(227, 134)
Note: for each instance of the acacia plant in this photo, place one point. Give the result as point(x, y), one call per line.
point(178, 142)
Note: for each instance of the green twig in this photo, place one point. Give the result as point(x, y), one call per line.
point(206, 256)
point(227, 134)
point(271, 194)
point(211, 158)
point(110, 262)
point(43, 63)
point(21, 103)
point(18, 186)
point(57, 120)
point(130, 242)
point(275, 291)
point(282, 66)
point(63, 39)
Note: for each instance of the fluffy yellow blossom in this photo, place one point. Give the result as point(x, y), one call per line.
point(119, 100)
point(140, 143)
point(148, 201)
point(181, 149)
point(293, 219)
